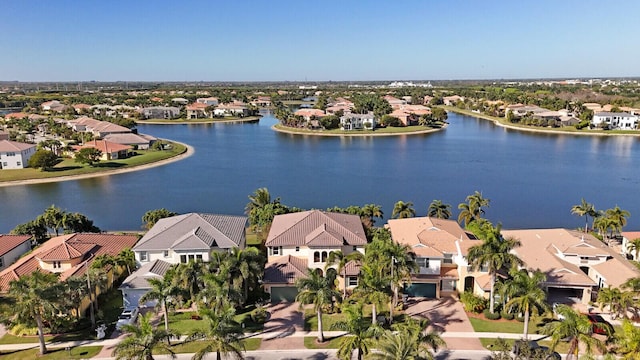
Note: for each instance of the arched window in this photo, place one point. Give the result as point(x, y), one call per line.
point(316, 256)
point(324, 256)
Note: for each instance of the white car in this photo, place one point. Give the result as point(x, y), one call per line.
point(127, 317)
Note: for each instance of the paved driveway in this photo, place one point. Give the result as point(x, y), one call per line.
point(446, 315)
point(284, 320)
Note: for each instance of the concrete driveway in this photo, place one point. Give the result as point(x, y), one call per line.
point(446, 315)
point(284, 320)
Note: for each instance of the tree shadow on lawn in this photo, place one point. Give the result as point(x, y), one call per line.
point(110, 165)
point(64, 168)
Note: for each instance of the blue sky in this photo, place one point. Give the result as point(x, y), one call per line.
point(273, 40)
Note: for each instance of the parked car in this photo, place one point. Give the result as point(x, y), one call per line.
point(600, 325)
point(532, 350)
point(127, 317)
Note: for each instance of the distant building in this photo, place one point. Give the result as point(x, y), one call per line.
point(350, 121)
point(209, 101)
point(160, 112)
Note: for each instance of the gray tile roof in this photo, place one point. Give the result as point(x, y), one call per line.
point(138, 279)
point(316, 228)
point(285, 270)
point(195, 231)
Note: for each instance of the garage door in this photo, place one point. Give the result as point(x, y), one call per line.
point(283, 294)
point(421, 290)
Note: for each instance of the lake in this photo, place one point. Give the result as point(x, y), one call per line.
point(532, 179)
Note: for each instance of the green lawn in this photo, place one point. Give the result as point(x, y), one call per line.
point(252, 239)
point(505, 326)
point(250, 344)
point(69, 167)
point(311, 318)
point(183, 324)
point(388, 130)
point(79, 352)
point(310, 342)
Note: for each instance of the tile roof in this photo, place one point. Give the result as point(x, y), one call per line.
point(10, 146)
point(18, 115)
point(138, 279)
point(316, 228)
point(130, 139)
point(195, 230)
point(285, 270)
point(352, 268)
point(91, 244)
point(10, 242)
point(106, 147)
point(431, 237)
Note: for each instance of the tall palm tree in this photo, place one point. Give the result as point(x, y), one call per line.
point(576, 328)
point(610, 297)
point(75, 292)
point(361, 333)
point(618, 217)
point(370, 211)
point(494, 253)
point(126, 259)
point(472, 209)
point(222, 334)
point(402, 265)
point(634, 245)
point(465, 216)
point(161, 290)
point(439, 210)
point(35, 298)
point(259, 199)
point(584, 209)
point(603, 224)
point(142, 339)
point(374, 287)
point(402, 345)
point(189, 277)
point(52, 218)
point(341, 260)
point(317, 290)
point(403, 210)
point(530, 297)
point(248, 268)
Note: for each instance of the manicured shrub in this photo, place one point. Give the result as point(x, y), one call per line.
point(491, 316)
point(473, 303)
point(507, 315)
point(259, 315)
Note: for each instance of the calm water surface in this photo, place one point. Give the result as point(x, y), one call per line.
point(531, 179)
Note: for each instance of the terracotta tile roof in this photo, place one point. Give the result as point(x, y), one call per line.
point(196, 106)
point(431, 237)
point(10, 146)
point(285, 270)
point(18, 115)
point(310, 112)
point(82, 106)
point(91, 244)
point(449, 273)
point(106, 147)
point(316, 228)
point(10, 242)
point(352, 268)
point(631, 235)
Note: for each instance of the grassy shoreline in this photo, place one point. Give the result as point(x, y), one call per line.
point(69, 169)
point(563, 130)
point(227, 119)
point(390, 131)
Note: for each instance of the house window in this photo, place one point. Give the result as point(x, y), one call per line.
point(355, 248)
point(183, 259)
point(192, 257)
point(19, 163)
point(1, 262)
point(324, 256)
point(448, 259)
point(199, 257)
point(297, 248)
point(316, 256)
point(144, 256)
point(276, 250)
point(166, 253)
point(56, 265)
point(4, 164)
point(352, 281)
point(11, 154)
point(422, 262)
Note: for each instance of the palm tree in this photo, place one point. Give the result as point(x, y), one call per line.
point(373, 287)
point(222, 334)
point(402, 210)
point(126, 259)
point(494, 254)
point(370, 211)
point(530, 296)
point(151, 217)
point(584, 209)
point(465, 216)
point(628, 340)
point(142, 339)
point(472, 210)
point(52, 218)
point(402, 345)
point(161, 290)
point(402, 265)
point(361, 333)
point(248, 268)
point(260, 198)
point(439, 210)
point(189, 277)
point(317, 290)
point(426, 340)
point(75, 292)
point(634, 245)
point(35, 297)
point(610, 297)
point(576, 328)
point(603, 224)
point(339, 258)
point(618, 217)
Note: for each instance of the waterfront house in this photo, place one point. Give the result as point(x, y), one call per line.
point(451, 100)
point(576, 264)
point(136, 141)
point(304, 240)
point(351, 121)
point(109, 150)
point(12, 247)
point(520, 110)
point(440, 247)
point(160, 112)
point(235, 108)
point(197, 111)
point(208, 101)
point(626, 249)
point(68, 256)
point(615, 120)
point(410, 114)
point(192, 236)
point(261, 101)
point(310, 115)
point(98, 128)
point(15, 155)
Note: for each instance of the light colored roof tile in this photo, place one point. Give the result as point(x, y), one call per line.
point(294, 229)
